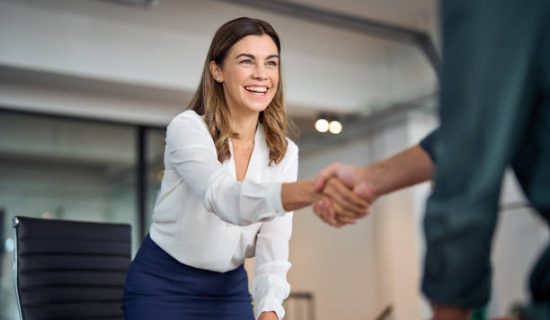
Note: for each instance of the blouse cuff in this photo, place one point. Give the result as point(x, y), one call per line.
point(276, 201)
point(270, 304)
point(270, 288)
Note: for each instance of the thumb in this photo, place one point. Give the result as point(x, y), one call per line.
point(366, 191)
point(324, 176)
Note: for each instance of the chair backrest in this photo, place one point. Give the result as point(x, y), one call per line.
point(70, 270)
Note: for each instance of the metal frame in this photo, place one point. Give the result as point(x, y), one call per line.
point(141, 179)
point(306, 296)
point(15, 224)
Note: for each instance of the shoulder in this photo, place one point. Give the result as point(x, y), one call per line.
point(289, 164)
point(291, 155)
point(186, 117)
point(187, 128)
point(291, 149)
point(188, 120)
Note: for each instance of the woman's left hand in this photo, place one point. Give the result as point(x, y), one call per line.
point(268, 315)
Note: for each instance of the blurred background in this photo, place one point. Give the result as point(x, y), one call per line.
point(88, 86)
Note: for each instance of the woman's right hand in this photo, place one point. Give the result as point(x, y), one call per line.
point(340, 205)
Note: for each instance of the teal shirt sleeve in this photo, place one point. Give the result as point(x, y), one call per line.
point(487, 78)
point(428, 143)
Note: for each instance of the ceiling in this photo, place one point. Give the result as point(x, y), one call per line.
point(93, 48)
point(419, 14)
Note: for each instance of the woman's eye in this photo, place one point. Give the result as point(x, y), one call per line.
point(246, 61)
point(272, 63)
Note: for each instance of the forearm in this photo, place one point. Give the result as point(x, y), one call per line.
point(402, 170)
point(268, 315)
point(450, 313)
point(298, 195)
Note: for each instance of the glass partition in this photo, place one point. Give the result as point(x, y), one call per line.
point(63, 169)
point(154, 146)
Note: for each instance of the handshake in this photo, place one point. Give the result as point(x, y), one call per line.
point(345, 194)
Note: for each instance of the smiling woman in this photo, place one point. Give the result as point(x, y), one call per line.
point(243, 61)
point(228, 186)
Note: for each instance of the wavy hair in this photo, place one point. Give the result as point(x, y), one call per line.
point(209, 99)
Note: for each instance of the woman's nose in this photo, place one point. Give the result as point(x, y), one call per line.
point(259, 73)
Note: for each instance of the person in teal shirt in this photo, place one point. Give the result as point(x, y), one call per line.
point(494, 113)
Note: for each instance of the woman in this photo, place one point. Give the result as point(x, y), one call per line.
point(226, 192)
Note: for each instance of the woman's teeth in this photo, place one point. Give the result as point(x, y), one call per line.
point(256, 89)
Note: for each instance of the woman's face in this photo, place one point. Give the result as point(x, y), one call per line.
point(250, 74)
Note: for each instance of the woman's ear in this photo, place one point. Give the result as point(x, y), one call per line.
point(215, 71)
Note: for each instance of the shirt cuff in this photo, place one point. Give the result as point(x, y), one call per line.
point(275, 199)
point(428, 144)
point(273, 207)
point(270, 304)
point(270, 288)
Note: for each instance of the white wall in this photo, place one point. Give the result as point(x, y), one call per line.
point(357, 271)
point(337, 265)
point(520, 237)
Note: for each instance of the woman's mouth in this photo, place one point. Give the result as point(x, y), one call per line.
point(257, 90)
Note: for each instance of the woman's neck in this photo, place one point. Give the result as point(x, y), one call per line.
point(244, 125)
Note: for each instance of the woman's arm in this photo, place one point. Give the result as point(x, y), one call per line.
point(190, 151)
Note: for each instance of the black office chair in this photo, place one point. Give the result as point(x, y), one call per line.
point(69, 269)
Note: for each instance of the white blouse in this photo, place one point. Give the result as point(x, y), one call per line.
point(205, 218)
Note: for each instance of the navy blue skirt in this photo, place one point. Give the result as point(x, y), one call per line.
point(159, 287)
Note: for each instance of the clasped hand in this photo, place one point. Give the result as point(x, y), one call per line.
point(347, 197)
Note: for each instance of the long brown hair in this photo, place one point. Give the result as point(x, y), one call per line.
point(209, 99)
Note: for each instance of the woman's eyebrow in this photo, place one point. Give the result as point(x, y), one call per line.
point(247, 55)
point(251, 56)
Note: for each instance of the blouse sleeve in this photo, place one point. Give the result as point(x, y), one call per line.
point(270, 286)
point(191, 152)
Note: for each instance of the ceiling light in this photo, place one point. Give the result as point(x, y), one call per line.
point(335, 127)
point(322, 125)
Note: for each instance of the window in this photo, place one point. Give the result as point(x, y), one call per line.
point(53, 167)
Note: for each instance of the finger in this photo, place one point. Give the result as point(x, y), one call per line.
point(328, 213)
point(340, 213)
point(365, 191)
point(321, 209)
point(331, 215)
point(324, 175)
point(350, 197)
point(346, 220)
point(332, 191)
point(346, 202)
point(317, 209)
